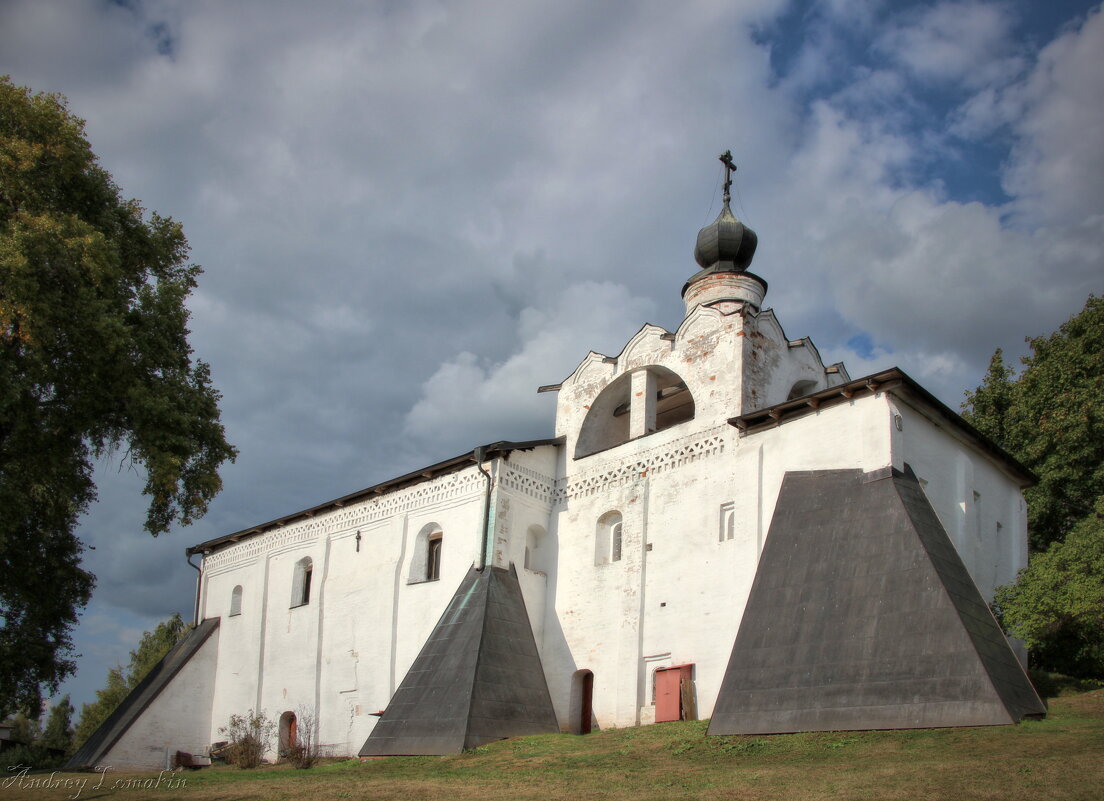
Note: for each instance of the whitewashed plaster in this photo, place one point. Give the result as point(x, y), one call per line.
point(677, 592)
point(178, 719)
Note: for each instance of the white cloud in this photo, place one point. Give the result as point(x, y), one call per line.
point(1056, 168)
point(468, 401)
point(943, 283)
point(969, 43)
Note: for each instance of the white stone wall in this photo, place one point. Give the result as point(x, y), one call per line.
point(178, 719)
point(523, 495)
point(677, 592)
point(978, 500)
point(775, 366)
point(344, 653)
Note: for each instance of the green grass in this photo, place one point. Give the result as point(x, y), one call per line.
point(1060, 757)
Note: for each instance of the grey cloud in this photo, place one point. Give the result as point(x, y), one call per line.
point(393, 202)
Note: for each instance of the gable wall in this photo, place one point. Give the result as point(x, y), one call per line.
point(772, 366)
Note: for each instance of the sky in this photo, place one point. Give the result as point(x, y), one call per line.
point(410, 214)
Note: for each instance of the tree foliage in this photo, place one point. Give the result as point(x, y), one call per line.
point(1057, 605)
point(58, 733)
point(25, 728)
point(30, 749)
point(151, 649)
point(107, 699)
point(94, 357)
point(1050, 417)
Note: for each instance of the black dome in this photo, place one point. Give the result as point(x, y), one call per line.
point(726, 244)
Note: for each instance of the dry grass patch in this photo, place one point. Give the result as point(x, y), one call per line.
point(1055, 758)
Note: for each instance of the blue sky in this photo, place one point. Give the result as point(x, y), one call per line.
point(410, 215)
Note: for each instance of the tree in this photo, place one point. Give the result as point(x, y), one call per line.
point(1050, 418)
point(25, 728)
point(151, 649)
point(107, 699)
point(987, 407)
point(1056, 605)
point(59, 726)
point(94, 358)
point(154, 645)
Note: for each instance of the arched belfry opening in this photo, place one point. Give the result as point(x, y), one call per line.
point(802, 388)
point(634, 405)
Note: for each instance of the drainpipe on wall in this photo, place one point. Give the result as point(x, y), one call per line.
point(479, 454)
point(199, 578)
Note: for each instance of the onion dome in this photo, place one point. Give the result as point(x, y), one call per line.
point(724, 250)
point(726, 245)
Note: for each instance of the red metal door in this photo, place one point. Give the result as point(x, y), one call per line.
point(668, 691)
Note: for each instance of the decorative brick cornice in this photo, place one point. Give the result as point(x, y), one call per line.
point(527, 482)
point(444, 488)
point(682, 451)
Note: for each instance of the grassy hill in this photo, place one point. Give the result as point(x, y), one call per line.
point(1061, 757)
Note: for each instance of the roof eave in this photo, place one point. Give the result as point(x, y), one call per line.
point(492, 451)
point(891, 380)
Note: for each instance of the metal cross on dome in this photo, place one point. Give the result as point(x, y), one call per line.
point(726, 159)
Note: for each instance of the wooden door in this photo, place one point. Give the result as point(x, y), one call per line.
point(586, 711)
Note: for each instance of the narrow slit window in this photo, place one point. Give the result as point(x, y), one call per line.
point(301, 582)
point(728, 522)
point(538, 554)
point(425, 561)
point(433, 557)
point(608, 539)
point(235, 601)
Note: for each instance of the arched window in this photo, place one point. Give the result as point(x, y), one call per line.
point(301, 582)
point(537, 549)
point(425, 563)
point(235, 601)
point(663, 398)
point(728, 521)
point(433, 557)
point(607, 539)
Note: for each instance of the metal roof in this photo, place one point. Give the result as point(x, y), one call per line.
point(491, 451)
point(895, 381)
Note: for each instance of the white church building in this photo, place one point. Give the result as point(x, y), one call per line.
point(721, 527)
